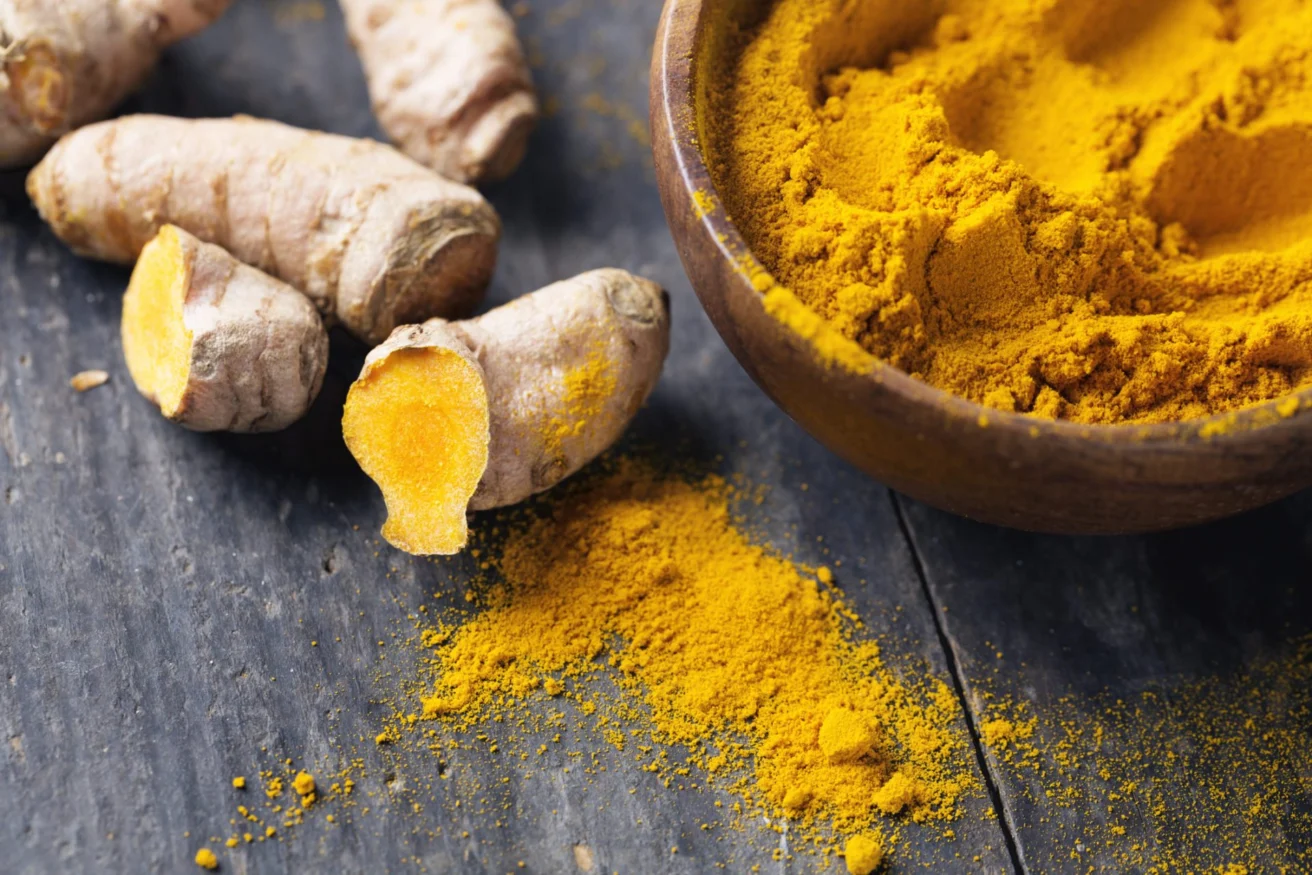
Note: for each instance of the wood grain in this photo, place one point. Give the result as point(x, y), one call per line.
point(1176, 626)
point(154, 583)
point(159, 589)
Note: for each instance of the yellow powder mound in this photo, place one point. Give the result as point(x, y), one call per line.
point(1097, 210)
point(846, 736)
point(864, 855)
point(728, 648)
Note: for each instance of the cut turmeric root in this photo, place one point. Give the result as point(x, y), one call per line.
point(453, 417)
point(423, 421)
point(217, 345)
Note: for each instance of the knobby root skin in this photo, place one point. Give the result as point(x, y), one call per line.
point(449, 82)
point(608, 325)
point(217, 345)
point(375, 239)
point(69, 62)
point(556, 378)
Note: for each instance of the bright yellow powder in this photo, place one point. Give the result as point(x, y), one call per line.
point(864, 854)
point(303, 784)
point(588, 388)
point(734, 651)
point(846, 736)
point(1097, 210)
point(1208, 776)
point(206, 860)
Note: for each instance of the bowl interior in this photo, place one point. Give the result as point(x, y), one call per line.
point(1008, 468)
point(722, 28)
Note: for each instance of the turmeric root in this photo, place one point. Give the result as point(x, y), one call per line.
point(452, 417)
point(448, 81)
point(217, 345)
point(69, 62)
point(375, 239)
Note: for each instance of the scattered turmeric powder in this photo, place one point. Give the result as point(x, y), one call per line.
point(733, 652)
point(1086, 772)
point(636, 581)
point(1094, 211)
point(206, 860)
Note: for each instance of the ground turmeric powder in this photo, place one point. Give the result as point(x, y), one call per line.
point(1079, 209)
point(630, 611)
point(721, 646)
point(1205, 775)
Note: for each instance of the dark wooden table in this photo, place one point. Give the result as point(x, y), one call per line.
point(154, 583)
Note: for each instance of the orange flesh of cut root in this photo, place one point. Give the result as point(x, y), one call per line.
point(156, 342)
point(418, 425)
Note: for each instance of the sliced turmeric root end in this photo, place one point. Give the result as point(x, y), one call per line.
point(418, 424)
point(156, 341)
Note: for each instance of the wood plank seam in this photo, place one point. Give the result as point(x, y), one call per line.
point(991, 781)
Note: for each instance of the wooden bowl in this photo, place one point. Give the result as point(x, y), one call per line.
point(1002, 468)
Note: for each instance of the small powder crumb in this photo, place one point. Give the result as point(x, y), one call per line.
point(206, 860)
point(796, 799)
point(898, 794)
point(864, 853)
point(846, 736)
point(88, 380)
point(998, 732)
point(303, 783)
point(239, 783)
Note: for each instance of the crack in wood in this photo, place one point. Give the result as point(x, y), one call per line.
point(992, 782)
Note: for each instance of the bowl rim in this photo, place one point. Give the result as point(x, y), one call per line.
point(675, 71)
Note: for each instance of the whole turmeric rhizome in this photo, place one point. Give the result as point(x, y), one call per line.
point(251, 237)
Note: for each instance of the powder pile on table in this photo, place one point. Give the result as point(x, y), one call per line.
point(717, 645)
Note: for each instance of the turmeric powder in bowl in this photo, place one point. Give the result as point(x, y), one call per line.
point(1092, 210)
